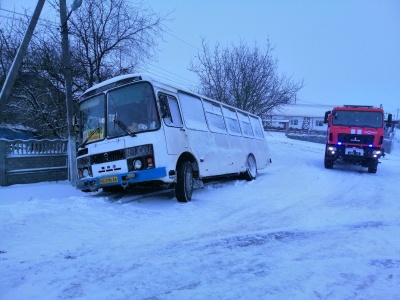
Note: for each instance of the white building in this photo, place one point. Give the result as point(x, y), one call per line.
point(298, 117)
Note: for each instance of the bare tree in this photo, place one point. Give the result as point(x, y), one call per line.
point(243, 77)
point(109, 38)
point(11, 34)
point(36, 100)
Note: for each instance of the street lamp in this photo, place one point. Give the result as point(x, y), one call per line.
point(76, 5)
point(72, 168)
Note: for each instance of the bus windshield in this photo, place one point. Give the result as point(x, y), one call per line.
point(131, 109)
point(358, 118)
point(92, 119)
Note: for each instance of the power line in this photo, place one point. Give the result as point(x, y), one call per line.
point(153, 69)
point(24, 15)
point(14, 12)
point(179, 39)
point(170, 73)
point(169, 78)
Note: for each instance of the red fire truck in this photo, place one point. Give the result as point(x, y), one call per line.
point(355, 135)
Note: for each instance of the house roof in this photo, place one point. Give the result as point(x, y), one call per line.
point(15, 131)
point(301, 110)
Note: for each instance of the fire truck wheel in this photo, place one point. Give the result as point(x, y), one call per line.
point(328, 163)
point(184, 182)
point(373, 166)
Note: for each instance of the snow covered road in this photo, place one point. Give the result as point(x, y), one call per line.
point(297, 232)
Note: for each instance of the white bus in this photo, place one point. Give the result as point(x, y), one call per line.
point(136, 129)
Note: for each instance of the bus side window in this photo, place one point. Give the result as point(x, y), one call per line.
point(245, 125)
point(257, 128)
point(170, 110)
point(165, 112)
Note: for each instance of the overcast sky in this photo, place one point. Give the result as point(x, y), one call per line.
point(347, 51)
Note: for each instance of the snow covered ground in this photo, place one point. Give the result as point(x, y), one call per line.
point(297, 232)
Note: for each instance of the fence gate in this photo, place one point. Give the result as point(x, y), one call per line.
point(29, 161)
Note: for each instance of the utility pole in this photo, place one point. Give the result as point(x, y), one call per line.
point(13, 72)
point(72, 166)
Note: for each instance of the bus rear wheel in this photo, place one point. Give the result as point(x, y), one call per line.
point(251, 168)
point(184, 182)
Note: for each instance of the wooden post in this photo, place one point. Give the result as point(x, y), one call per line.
point(68, 91)
point(13, 72)
point(3, 160)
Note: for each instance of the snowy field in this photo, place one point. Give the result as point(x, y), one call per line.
point(297, 232)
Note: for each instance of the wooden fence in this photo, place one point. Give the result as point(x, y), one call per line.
point(29, 161)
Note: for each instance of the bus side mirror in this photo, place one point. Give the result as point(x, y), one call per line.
point(326, 116)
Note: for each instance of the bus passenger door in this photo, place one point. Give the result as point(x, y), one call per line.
point(175, 136)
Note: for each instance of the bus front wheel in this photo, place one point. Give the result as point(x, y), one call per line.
point(184, 182)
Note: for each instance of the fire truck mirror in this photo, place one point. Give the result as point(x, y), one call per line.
point(326, 116)
point(389, 120)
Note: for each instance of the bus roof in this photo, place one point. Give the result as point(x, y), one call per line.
point(129, 78)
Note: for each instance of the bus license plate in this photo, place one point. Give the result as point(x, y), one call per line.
point(109, 180)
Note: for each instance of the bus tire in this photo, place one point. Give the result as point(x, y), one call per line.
point(251, 168)
point(184, 182)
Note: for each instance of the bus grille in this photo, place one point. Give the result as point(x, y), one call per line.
point(107, 157)
point(138, 151)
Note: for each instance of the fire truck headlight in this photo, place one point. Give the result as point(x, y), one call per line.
point(137, 164)
point(331, 149)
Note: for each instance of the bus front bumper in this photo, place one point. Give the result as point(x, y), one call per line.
point(123, 179)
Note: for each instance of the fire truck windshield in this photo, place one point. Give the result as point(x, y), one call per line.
point(372, 119)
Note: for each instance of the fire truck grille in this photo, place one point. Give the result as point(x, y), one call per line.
point(356, 139)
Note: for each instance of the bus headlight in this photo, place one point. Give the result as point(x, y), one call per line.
point(137, 164)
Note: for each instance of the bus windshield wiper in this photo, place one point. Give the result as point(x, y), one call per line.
point(124, 127)
point(97, 130)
